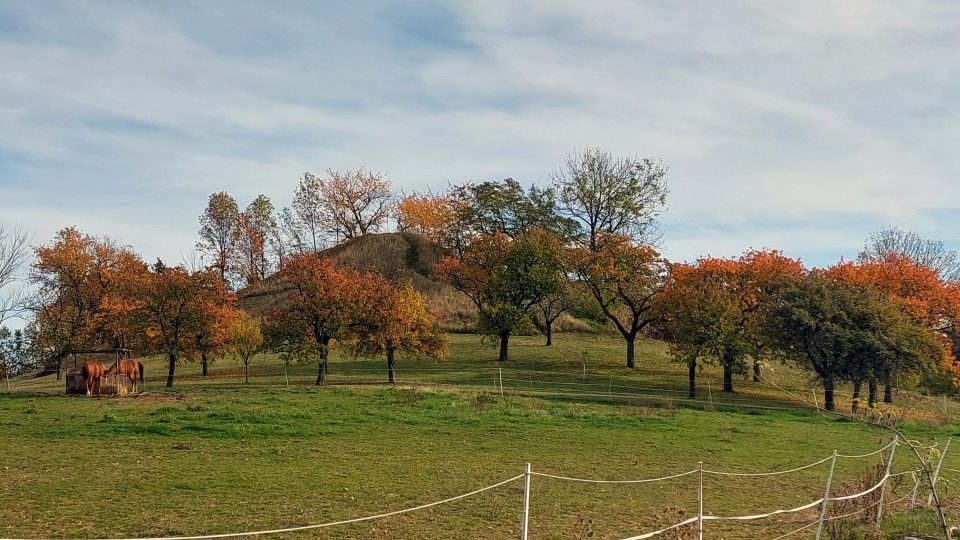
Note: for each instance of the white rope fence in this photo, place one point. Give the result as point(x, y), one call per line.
point(822, 503)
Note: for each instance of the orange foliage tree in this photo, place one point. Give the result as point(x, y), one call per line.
point(75, 276)
point(625, 279)
point(319, 306)
point(427, 214)
point(394, 318)
point(713, 309)
point(170, 306)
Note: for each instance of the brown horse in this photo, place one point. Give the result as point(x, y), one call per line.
point(131, 369)
point(92, 372)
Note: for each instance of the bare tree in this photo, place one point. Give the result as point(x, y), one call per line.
point(14, 251)
point(606, 194)
point(930, 253)
point(356, 202)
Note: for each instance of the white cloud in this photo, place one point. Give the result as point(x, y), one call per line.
point(804, 125)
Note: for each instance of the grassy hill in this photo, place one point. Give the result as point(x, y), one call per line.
point(395, 255)
point(216, 455)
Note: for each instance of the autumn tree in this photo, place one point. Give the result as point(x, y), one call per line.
point(688, 308)
point(217, 313)
point(611, 195)
point(355, 202)
point(218, 225)
point(169, 310)
point(255, 227)
point(556, 303)
point(319, 306)
point(391, 319)
point(308, 221)
point(625, 279)
point(73, 278)
point(426, 214)
point(244, 340)
point(505, 277)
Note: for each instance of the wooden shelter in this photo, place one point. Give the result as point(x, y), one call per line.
point(75, 382)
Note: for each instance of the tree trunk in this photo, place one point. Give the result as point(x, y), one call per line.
point(321, 372)
point(504, 346)
point(203, 362)
point(630, 354)
point(390, 369)
point(246, 372)
point(872, 393)
point(855, 403)
point(692, 376)
point(171, 369)
point(322, 365)
point(828, 403)
point(887, 387)
point(756, 370)
point(549, 332)
point(728, 375)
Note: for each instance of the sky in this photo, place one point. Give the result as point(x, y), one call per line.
point(801, 126)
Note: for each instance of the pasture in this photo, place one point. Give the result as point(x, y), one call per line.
point(216, 456)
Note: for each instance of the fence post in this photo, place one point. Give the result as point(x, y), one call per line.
point(883, 483)
point(700, 500)
point(826, 495)
point(936, 471)
point(815, 402)
point(500, 375)
point(525, 519)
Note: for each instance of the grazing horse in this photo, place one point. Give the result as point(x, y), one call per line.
point(131, 369)
point(92, 372)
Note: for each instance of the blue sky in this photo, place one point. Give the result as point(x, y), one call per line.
point(797, 125)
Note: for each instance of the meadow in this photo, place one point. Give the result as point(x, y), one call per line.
point(215, 455)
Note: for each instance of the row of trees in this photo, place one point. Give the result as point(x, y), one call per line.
point(591, 235)
point(588, 238)
point(92, 292)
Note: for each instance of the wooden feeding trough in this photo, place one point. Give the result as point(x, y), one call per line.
point(111, 385)
point(77, 386)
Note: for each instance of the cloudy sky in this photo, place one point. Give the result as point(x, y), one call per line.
point(798, 125)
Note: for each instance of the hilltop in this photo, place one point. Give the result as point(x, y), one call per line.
point(395, 255)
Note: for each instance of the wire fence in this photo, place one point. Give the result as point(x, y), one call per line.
point(530, 381)
point(873, 499)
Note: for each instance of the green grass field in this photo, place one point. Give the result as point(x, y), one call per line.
point(218, 456)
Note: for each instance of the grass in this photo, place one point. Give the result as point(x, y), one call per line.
point(218, 456)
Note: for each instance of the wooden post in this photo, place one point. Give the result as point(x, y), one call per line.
point(883, 485)
point(826, 495)
point(936, 471)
